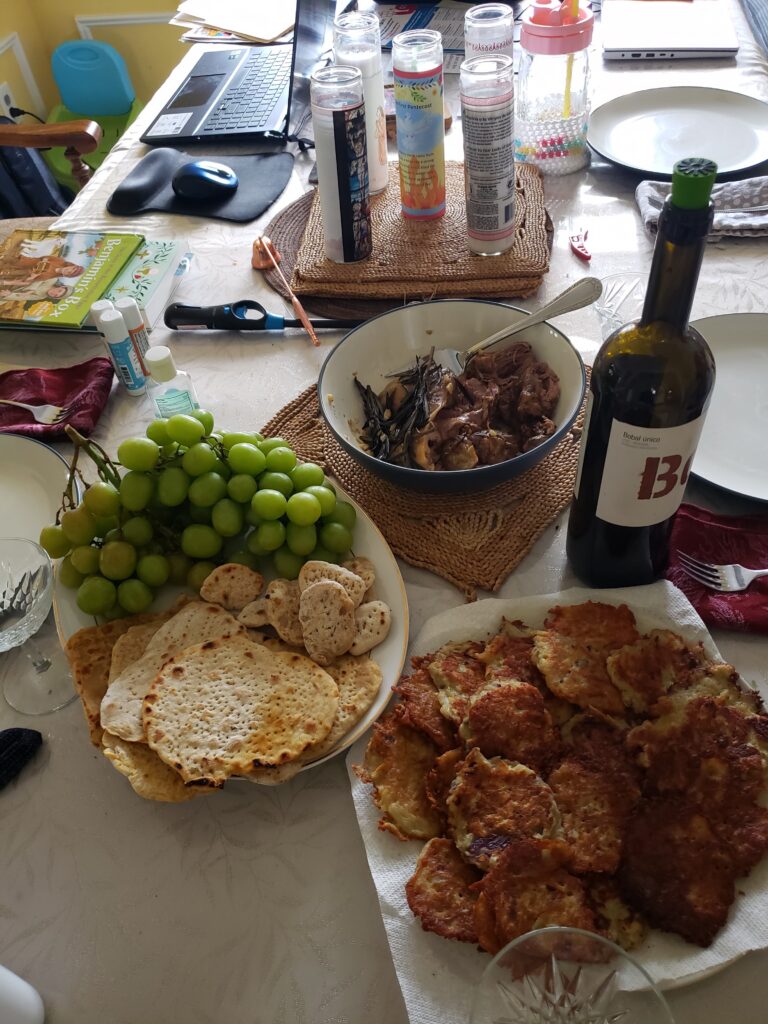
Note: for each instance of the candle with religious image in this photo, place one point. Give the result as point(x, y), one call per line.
point(357, 43)
point(338, 121)
point(417, 67)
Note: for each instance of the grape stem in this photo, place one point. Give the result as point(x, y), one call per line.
point(104, 465)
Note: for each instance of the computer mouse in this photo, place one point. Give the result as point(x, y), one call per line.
point(204, 180)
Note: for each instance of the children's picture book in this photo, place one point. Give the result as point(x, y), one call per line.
point(49, 279)
point(151, 277)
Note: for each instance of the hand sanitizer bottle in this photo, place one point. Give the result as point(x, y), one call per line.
point(171, 390)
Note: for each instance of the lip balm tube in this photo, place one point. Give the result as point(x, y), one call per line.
point(338, 121)
point(137, 330)
point(97, 308)
point(417, 68)
point(121, 351)
point(357, 44)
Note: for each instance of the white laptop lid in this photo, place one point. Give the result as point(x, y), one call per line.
point(666, 29)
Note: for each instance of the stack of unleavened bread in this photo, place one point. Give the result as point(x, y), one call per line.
point(182, 700)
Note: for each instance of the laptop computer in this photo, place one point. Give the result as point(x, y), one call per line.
point(666, 30)
point(248, 92)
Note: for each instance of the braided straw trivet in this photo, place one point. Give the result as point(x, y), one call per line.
point(471, 540)
point(428, 259)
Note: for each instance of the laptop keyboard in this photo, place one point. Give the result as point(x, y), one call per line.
point(252, 97)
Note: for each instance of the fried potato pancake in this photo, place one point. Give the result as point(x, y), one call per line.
point(493, 801)
point(510, 719)
point(439, 893)
point(676, 871)
point(441, 775)
point(576, 672)
point(718, 680)
point(396, 763)
point(529, 887)
point(509, 657)
point(643, 672)
point(702, 749)
point(615, 919)
point(595, 809)
point(600, 625)
point(421, 709)
point(457, 674)
point(599, 740)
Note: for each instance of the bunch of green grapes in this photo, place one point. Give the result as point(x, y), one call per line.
point(188, 499)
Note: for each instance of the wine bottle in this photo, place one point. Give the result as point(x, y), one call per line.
point(651, 384)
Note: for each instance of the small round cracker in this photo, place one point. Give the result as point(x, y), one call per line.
point(283, 611)
point(225, 707)
point(315, 571)
point(364, 568)
point(372, 623)
point(327, 616)
point(233, 586)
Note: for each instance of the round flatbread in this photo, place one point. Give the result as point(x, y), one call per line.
point(150, 777)
point(225, 707)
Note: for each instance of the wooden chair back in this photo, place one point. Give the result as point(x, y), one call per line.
point(78, 138)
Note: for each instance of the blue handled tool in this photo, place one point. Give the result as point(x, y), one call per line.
point(243, 315)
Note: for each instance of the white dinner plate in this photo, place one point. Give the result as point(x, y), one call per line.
point(32, 481)
point(731, 452)
point(648, 131)
point(388, 587)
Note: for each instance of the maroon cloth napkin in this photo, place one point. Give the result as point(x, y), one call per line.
point(84, 389)
point(719, 539)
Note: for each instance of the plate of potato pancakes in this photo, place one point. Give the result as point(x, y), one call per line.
point(582, 759)
point(251, 679)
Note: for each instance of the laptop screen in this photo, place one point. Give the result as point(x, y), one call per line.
point(313, 49)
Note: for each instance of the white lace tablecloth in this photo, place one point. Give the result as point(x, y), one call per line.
point(256, 906)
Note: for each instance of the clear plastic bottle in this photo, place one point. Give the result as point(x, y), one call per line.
point(553, 87)
point(170, 389)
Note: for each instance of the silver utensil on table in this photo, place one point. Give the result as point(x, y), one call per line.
point(726, 579)
point(582, 293)
point(48, 414)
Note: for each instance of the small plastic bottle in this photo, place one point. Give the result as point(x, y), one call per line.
point(121, 351)
point(171, 390)
point(134, 321)
point(553, 94)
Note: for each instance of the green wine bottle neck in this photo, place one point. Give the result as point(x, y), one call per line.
point(676, 263)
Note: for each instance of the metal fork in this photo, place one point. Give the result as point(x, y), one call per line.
point(724, 578)
point(42, 413)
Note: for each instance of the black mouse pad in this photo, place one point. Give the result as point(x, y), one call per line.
point(148, 187)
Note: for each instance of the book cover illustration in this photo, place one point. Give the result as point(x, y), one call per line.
point(150, 277)
point(51, 278)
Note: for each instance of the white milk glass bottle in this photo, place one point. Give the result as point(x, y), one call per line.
point(171, 390)
point(489, 28)
point(357, 43)
point(487, 124)
point(553, 95)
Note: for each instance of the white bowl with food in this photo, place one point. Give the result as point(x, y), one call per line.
point(510, 407)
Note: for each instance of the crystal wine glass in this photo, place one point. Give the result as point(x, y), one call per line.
point(566, 976)
point(33, 667)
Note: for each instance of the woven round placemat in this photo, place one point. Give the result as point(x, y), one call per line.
point(472, 540)
point(286, 229)
point(431, 259)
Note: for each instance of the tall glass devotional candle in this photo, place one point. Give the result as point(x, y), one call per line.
point(487, 124)
point(417, 68)
point(651, 384)
point(489, 28)
point(338, 121)
point(357, 43)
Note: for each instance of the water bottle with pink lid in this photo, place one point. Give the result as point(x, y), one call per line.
point(553, 91)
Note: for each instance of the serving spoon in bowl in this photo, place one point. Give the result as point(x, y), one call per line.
point(577, 295)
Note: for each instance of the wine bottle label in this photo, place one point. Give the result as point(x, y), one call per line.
point(645, 472)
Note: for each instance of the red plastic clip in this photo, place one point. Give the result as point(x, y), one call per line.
point(578, 248)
